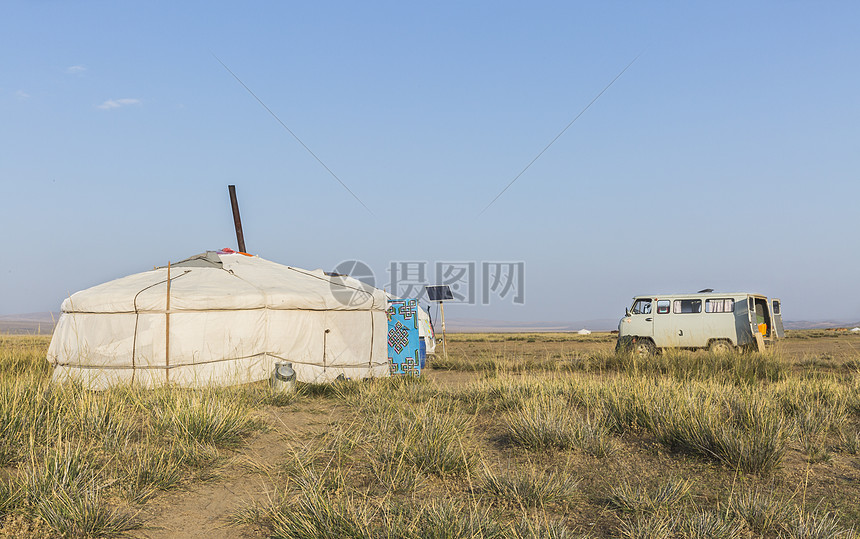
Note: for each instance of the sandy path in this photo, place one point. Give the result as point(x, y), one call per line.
point(203, 509)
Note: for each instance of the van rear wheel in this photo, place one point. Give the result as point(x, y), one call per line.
point(721, 346)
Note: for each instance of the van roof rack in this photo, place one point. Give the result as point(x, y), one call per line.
point(705, 291)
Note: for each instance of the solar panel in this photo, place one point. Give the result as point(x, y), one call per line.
point(439, 293)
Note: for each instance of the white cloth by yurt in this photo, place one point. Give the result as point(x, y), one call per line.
point(231, 316)
point(425, 331)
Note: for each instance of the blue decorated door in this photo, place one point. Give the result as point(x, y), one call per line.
point(403, 339)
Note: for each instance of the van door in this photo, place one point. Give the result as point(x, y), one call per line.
point(665, 335)
point(743, 322)
point(640, 323)
point(776, 316)
point(759, 320)
point(751, 314)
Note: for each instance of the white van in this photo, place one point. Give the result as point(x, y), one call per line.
point(718, 321)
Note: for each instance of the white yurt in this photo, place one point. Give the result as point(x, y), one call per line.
point(222, 318)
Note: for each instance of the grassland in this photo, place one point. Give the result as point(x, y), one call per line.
point(524, 436)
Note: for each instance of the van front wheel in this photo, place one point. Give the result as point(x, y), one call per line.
point(644, 348)
point(720, 347)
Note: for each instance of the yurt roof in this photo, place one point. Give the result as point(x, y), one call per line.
point(220, 280)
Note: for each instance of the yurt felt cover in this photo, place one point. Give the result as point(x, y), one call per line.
point(231, 317)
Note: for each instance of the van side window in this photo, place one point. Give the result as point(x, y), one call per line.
point(663, 306)
point(719, 305)
point(685, 306)
point(775, 307)
point(642, 306)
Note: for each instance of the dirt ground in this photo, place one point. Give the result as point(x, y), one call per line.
point(204, 509)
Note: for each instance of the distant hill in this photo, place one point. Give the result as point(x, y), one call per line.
point(820, 324)
point(29, 324)
point(478, 325)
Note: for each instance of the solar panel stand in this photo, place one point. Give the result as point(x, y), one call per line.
point(444, 338)
point(441, 293)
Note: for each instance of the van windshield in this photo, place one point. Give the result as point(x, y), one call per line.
point(641, 306)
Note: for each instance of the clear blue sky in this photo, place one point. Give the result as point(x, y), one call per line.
point(727, 156)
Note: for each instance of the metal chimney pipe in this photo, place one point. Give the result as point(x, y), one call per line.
point(237, 221)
